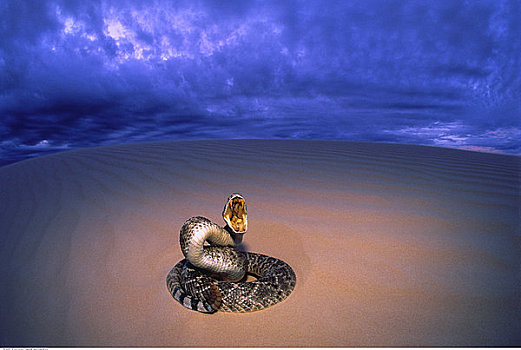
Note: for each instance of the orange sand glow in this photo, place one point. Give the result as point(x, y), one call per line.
point(392, 245)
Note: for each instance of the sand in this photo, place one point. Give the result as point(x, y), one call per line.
point(392, 245)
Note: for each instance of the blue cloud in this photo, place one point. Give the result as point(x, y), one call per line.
point(76, 73)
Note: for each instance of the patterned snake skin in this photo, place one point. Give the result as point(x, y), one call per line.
point(211, 278)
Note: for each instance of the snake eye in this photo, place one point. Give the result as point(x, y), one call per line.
point(235, 214)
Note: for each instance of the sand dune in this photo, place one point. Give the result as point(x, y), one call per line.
point(392, 244)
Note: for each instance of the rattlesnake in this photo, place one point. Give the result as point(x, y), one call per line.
point(212, 277)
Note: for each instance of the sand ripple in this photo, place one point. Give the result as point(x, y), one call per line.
point(392, 244)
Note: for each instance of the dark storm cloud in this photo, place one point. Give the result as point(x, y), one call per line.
point(76, 73)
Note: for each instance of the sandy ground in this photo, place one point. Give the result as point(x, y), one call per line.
point(392, 245)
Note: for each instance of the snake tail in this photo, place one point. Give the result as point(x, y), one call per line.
point(207, 301)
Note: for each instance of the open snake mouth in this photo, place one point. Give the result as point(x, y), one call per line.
point(235, 213)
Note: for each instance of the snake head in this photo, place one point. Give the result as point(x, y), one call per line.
point(235, 214)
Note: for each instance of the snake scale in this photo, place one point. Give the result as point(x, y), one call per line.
point(212, 277)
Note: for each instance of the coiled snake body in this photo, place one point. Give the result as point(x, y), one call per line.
point(211, 277)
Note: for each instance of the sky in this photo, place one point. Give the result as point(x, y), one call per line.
point(77, 73)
